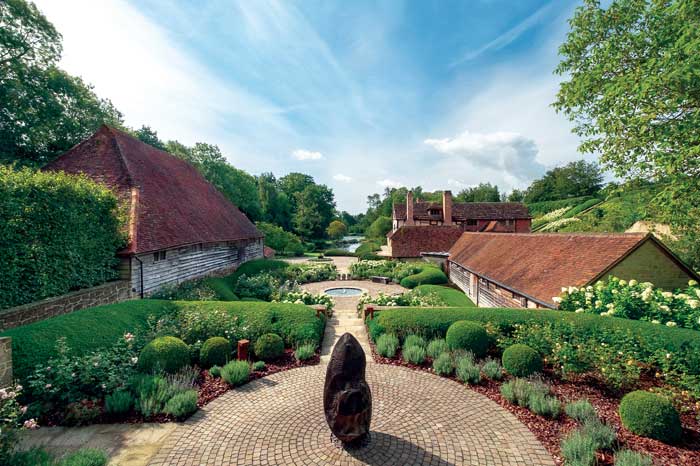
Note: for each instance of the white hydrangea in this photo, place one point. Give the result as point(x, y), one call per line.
point(671, 323)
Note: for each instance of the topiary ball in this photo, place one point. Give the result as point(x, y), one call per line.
point(269, 346)
point(167, 354)
point(521, 360)
point(216, 351)
point(467, 335)
point(650, 415)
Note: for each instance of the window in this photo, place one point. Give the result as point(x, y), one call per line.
point(434, 212)
point(471, 222)
point(158, 256)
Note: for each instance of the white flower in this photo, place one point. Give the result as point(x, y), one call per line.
point(665, 308)
point(667, 294)
point(692, 283)
point(598, 303)
point(134, 360)
point(579, 311)
point(556, 299)
point(614, 291)
point(623, 282)
point(564, 289)
point(31, 424)
point(129, 337)
point(633, 282)
point(47, 386)
point(668, 355)
point(671, 323)
point(655, 321)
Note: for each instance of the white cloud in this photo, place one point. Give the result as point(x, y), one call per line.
point(342, 178)
point(389, 183)
point(456, 183)
point(303, 154)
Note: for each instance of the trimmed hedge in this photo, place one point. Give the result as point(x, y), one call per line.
point(167, 354)
point(451, 296)
point(427, 276)
point(650, 415)
point(59, 233)
point(521, 360)
point(269, 346)
point(338, 253)
point(216, 351)
point(466, 335)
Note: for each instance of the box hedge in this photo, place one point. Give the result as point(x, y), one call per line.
point(59, 233)
point(427, 276)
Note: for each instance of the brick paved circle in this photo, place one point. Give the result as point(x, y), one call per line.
point(418, 419)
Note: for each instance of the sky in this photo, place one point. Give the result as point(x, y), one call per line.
point(361, 95)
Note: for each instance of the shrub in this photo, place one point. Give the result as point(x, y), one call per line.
point(544, 405)
point(387, 345)
point(581, 410)
point(338, 253)
point(492, 369)
point(467, 370)
point(269, 346)
point(520, 391)
point(428, 276)
point(442, 364)
point(436, 347)
point(59, 232)
point(31, 457)
point(521, 360)
point(81, 412)
point(469, 336)
point(167, 354)
point(414, 340)
point(215, 371)
point(413, 354)
point(216, 351)
point(650, 415)
point(182, 405)
point(119, 402)
point(578, 449)
point(236, 372)
point(260, 286)
point(632, 458)
point(152, 392)
point(602, 434)
point(259, 366)
point(85, 457)
point(305, 351)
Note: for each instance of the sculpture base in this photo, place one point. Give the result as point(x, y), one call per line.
point(357, 444)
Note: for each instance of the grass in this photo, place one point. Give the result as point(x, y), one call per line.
point(450, 296)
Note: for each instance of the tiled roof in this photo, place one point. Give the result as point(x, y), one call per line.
point(410, 241)
point(494, 226)
point(538, 264)
point(466, 210)
point(174, 204)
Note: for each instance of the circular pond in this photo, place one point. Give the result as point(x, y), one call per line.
point(343, 292)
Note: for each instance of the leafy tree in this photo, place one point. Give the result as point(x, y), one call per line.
point(149, 136)
point(275, 204)
point(348, 219)
point(379, 228)
point(575, 179)
point(315, 208)
point(280, 240)
point(632, 89)
point(516, 195)
point(45, 111)
point(293, 184)
point(336, 229)
point(484, 192)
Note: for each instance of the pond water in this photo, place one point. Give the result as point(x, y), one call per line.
point(343, 292)
point(351, 243)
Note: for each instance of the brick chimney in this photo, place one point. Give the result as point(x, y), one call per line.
point(447, 207)
point(409, 208)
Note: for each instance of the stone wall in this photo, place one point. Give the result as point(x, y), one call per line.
point(108, 293)
point(5, 362)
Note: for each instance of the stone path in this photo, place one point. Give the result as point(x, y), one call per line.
point(418, 419)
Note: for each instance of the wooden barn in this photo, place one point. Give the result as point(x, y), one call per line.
point(180, 226)
point(529, 270)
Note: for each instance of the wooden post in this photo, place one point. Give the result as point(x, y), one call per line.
point(369, 310)
point(320, 310)
point(243, 346)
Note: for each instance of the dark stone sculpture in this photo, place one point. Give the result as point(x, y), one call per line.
point(347, 400)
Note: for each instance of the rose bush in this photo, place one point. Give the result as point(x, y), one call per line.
point(406, 299)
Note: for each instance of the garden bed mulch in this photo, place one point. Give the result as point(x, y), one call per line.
point(550, 432)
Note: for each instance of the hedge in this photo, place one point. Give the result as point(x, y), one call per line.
point(427, 276)
point(59, 233)
point(451, 296)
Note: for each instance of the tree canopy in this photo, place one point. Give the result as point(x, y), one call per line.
point(575, 179)
point(484, 192)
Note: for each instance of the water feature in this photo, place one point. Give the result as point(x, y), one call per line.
point(351, 242)
point(343, 292)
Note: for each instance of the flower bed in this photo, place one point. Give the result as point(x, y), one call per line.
point(405, 299)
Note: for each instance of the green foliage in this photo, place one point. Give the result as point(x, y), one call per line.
point(282, 241)
point(259, 366)
point(167, 354)
point(574, 180)
point(467, 370)
point(630, 90)
point(215, 371)
point(537, 209)
point(119, 402)
point(443, 365)
point(578, 449)
point(203, 289)
point(216, 351)
point(315, 208)
point(521, 360)
point(305, 352)
point(85, 457)
point(436, 347)
point(484, 192)
point(152, 392)
point(31, 457)
point(451, 297)
point(368, 247)
point(269, 346)
point(236, 372)
point(414, 340)
point(413, 354)
point(427, 276)
point(379, 228)
point(545, 405)
point(581, 410)
point(182, 405)
point(59, 233)
point(470, 336)
point(338, 253)
point(602, 434)
point(258, 266)
point(533, 395)
point(336, 229)
point(632, 458)
point(387, 344)
point(650, 415)
point(492, 369)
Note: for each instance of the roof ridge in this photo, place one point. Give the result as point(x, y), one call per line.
point(120, 153)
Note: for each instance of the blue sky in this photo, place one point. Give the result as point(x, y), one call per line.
point(362, 95)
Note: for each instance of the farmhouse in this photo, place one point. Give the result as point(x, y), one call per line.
point(421, 227)
point(180, 226)
point(529, 270)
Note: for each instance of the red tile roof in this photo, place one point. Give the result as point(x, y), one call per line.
point(172, 204)
point(465, 211)
point(538, 265)
point(410, 241)
point(494, 226)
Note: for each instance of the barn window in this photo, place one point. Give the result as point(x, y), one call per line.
point(158, 256)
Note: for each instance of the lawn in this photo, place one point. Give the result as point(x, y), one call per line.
point(452, 297)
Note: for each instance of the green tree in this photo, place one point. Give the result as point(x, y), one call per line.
point(484, 192)
point(45, 111)
point(280, 240)
point(516, 195)
point(149, 136)
point(632, 88)
point(315, 209)
point(575, 179)
point(275, 204)
point(379, 228)
point(336, 229)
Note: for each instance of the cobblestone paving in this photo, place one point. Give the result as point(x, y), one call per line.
point(418, 419)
